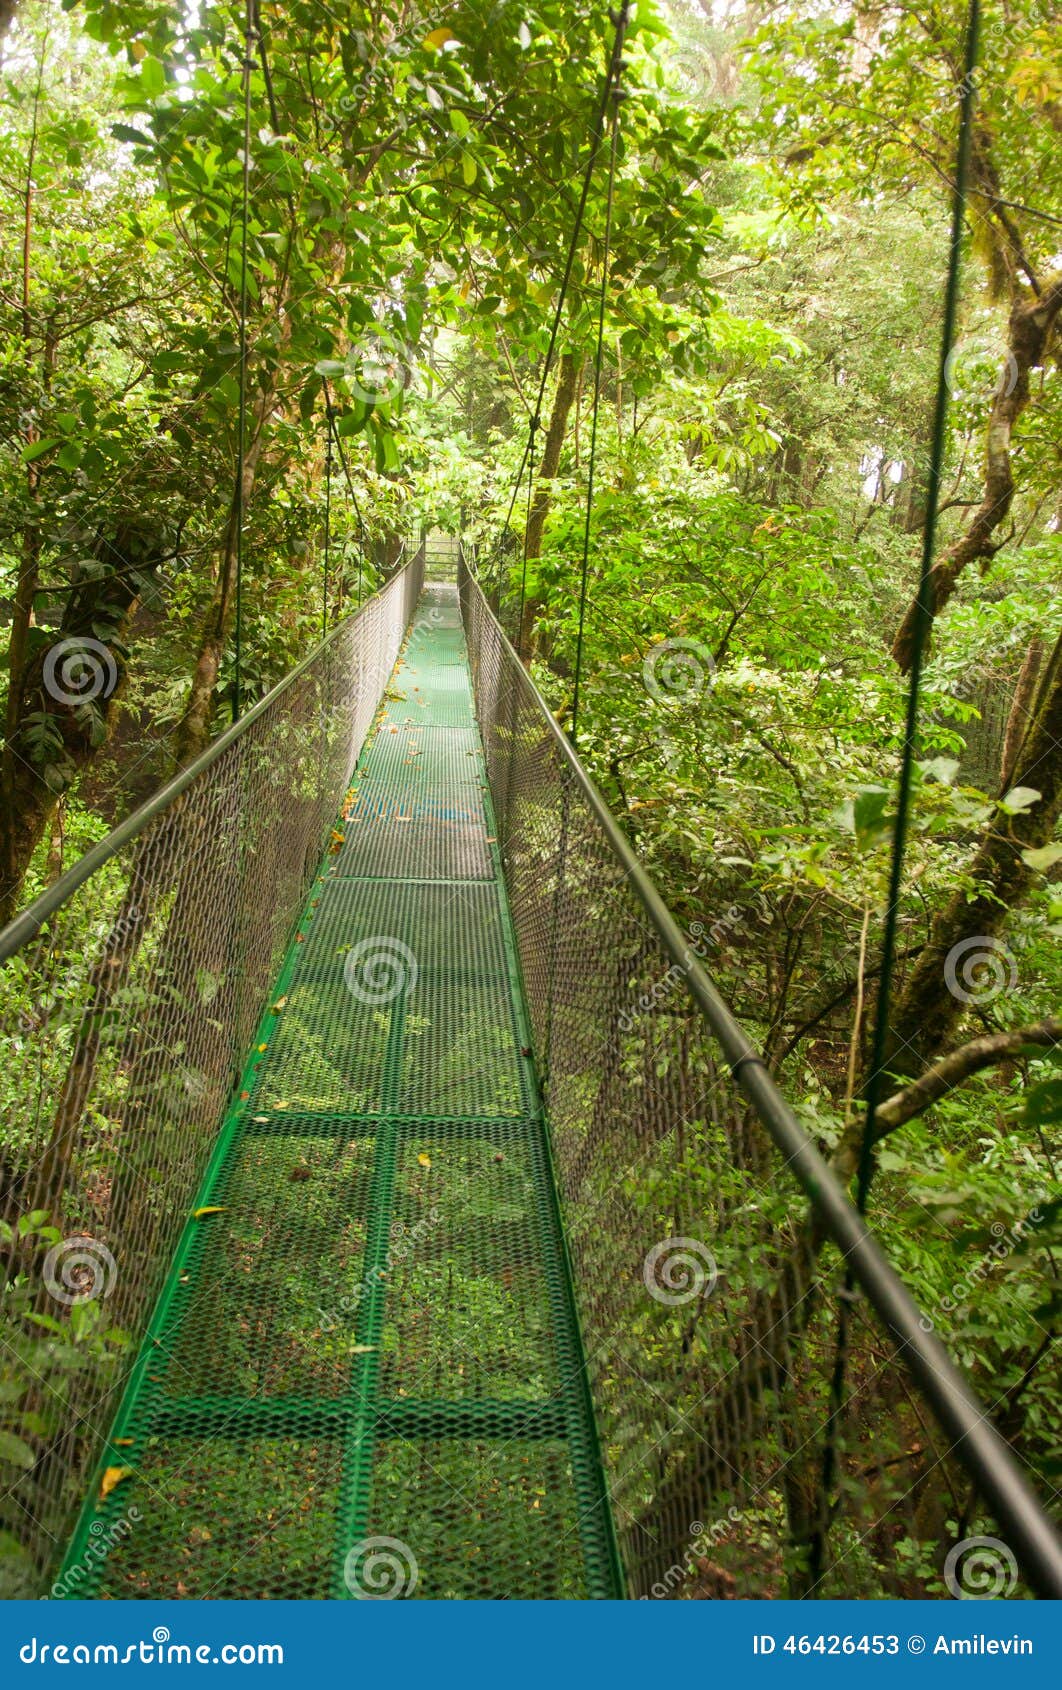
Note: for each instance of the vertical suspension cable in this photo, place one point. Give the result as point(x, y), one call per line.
point(602, 299)
point(241, 450)
point(334, 435)
point(615, 72)
point(529, 455)
point(620, 20)
point(328, 517)
point(924, 609)
point(923, 623)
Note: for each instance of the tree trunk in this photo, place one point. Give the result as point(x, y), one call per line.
point(29, 800)
point(927, 1010)
point(12, 864)
point(192, 733)
point(32, 779)
point(18, 837)
point(563, 399)
point(911, 509)
point(1021, 711)
point(1031, 326)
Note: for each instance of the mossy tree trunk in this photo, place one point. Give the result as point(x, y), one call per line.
point(563, 399)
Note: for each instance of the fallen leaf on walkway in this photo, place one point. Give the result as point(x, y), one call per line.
point(113, 1476)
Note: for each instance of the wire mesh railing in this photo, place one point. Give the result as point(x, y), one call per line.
point(709, 1246)
point(129, 995)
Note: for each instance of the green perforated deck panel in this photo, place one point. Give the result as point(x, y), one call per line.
point(364, 1376)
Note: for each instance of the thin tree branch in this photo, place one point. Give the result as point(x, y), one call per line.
point(952, 1070)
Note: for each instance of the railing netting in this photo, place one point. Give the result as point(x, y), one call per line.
point(125, 1019)
point(709, 1290)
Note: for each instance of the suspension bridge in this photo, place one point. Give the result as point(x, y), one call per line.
point(373, 1123)
point(393, 1207)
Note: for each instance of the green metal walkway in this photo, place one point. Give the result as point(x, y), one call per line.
point(364, 1376)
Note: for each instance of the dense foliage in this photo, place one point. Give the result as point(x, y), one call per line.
point(771, 338)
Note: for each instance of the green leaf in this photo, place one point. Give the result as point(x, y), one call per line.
point(865, 815)
point(1019, 798)
point(152, 79)
point(869, 807)
point(14, 1450)
point(39, 447)
point(354, 420)
point(1044, 858)
point(468, 169)
point(1043, 1103)
point(47, 1321)
point(942, 769)
point(126, 132)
